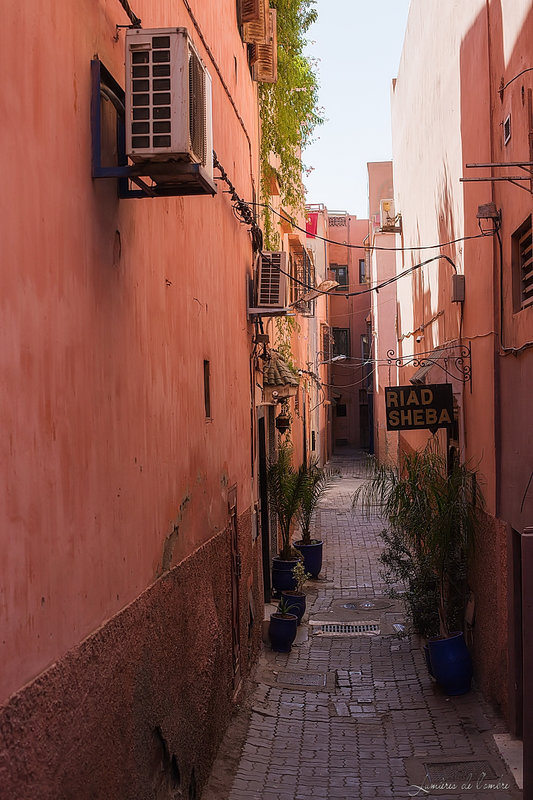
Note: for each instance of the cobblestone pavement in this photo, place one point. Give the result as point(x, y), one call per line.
point(355, 716)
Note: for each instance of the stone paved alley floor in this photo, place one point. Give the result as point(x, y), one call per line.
point(355, 716)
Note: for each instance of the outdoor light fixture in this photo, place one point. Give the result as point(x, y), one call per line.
point(332, 360)
point(283, 423)
point(323, 288)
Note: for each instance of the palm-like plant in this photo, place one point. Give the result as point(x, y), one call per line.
point(285, 489)
point(433, 511)
point(315, 482)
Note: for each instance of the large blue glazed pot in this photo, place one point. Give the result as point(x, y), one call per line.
point(282, 631)
point(282, 577)
point(451, 663)
point(295, 602)
point(312, 556)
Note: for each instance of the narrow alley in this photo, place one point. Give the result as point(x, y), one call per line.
point(349, 712)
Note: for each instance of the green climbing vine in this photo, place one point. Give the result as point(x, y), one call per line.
point(285, 327)
point(289, 109)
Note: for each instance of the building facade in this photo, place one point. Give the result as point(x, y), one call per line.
point(348, 346)
point(468, 115)
point(132, 574)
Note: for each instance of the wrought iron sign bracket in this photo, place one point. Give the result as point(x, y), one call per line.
point(455, 360)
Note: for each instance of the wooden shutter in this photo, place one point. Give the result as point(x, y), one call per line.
point(265, 56)
point(250, 10)
point(257, 29)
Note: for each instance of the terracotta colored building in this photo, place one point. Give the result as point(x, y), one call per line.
point(468, 115)
point(383, 238)
point(347, 346)
point(131, 503)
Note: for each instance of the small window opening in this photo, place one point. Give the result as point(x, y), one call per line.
point(207, 390)
point(507, 129)
point(340, 409)
point(522, 265)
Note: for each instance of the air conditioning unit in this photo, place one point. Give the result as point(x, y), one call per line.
point(387, 215)
point(168, 99)
point(272, 280)
point(270, 286)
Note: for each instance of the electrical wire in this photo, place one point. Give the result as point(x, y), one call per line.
point(349, 385)
point(373, 247)
point(241, 209)
point(503, 86)
point(375, 288)
point(134, 19)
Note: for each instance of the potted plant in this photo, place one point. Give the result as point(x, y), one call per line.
point(317, 480)
point(433, 510)
point(285, 486)
point(296, 597)
point(282, 628)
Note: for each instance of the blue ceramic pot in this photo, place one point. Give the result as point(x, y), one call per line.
point(282, 631)
point(295, 602)
point(312, 556)
point(451, 663)
point(282, 577)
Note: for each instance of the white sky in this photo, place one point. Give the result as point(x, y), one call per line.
point(358, 46)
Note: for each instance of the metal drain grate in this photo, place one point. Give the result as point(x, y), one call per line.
point(345, 628)
point(459, 771)
point(302, 678)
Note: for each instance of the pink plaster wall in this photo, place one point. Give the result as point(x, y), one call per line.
point(383, 304)
point(110, 308)
point(348, 377)
point(445, 115)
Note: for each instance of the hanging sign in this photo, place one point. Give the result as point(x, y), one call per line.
point(416, 407)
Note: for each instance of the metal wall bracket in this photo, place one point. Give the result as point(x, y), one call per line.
point(517, 180)
point(165, 179)
point(455, 360)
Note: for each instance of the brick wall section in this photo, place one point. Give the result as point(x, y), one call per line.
point(145, 699)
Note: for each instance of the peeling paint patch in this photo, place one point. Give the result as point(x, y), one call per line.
point(168, 549)
point(170, 541)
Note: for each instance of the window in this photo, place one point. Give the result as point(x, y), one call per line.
point(362, 270)
point(340, 274)
point(507, 129)
point(522, 264)
point(207, 391)
point(340, 409)
point(341, 342)
point(325, 340)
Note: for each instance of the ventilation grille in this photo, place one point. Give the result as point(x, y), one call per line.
point(271, 280)
point(345, 628)
point(168, 98)
point(197, 108)
point(151, 90)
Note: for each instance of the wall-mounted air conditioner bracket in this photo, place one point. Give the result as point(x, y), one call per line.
point(169, 179)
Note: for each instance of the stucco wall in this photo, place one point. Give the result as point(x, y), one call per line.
point(448, 112)
point(110, 307)
point(347, 377)
point(138, 708)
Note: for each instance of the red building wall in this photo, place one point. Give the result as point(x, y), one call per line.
point(114, 511)
point(347, 377)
